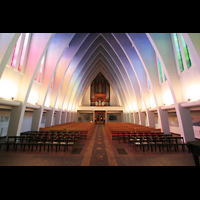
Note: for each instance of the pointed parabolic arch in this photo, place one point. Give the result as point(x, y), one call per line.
point(118, 64)
point(125, 59)
point(109, 73)
point(85, 77)
point(95, 71)
point(89, 66)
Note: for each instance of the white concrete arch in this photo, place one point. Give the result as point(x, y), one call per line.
point(55, 51)
point(93, 75)
point(85, 82)
point(86, 58)
point(124, 73)
point(38, 47)
point(163, 47)
point(146, 53)
point(125, 59)
point(117, 73)
point(72, 66)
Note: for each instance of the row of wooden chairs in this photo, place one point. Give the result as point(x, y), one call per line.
point(43, 140)
point(155, 140)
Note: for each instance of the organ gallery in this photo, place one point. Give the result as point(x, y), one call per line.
point(100, 91)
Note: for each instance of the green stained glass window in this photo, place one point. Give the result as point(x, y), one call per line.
point(186, 52)
point(165, 77)
point(160, 71)
point(178, 51)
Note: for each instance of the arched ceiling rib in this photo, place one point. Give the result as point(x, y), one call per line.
point(93, 75)
point(99, 66)
point(62, 68)
point(109, 69)
point(135, 62)
point(129, 83)
point(125, 59)
point(109, 72)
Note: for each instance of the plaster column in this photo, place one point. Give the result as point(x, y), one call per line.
point(142, 118)
point(131, 116)
point(34, 125)
point(68, 116)
point(64, 117)
point(58, 117)
point(49, 117)
point(164, 121)
point(150, 118)
point(136, 117)
point(72, 116)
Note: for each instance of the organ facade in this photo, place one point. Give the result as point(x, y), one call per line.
point(100, 91)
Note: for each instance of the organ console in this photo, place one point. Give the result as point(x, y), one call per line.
point(100, 91)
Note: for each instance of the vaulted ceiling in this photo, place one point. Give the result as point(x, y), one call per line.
point(110, 54)
point(127, 60)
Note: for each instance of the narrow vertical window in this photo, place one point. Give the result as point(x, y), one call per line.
point(38, 76)
point(51, 84)
point(41, 70)
point(160, 71)
point(24, 48)
point(178, 51)
point(165, 77)
point(16, 51)
point(149, 85)
point(186, 52)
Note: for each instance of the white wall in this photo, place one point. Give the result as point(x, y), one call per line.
point(4, 125)
point(190, 84)
point(85, 116)
point(10, 83)
point(34, 93)
point(116, 114)
point(166, 94)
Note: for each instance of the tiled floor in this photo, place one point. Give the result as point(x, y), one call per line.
point(98, 150)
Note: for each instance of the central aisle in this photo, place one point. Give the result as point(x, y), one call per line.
point(99, 152)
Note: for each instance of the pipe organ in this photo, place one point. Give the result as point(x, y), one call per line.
point(100, 91)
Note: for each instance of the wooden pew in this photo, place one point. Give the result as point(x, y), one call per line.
point(85, 128)
point(123, 127)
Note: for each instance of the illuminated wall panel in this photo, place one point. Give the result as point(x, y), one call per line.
point(16, 51)
point(24, 49)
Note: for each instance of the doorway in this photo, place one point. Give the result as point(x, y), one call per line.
point(100, 117)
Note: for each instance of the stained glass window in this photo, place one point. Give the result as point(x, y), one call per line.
point(24, 48)
point(160, 71)
point(186, 52)
point(38, 76)
point(16, 52)
point(178, 51)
